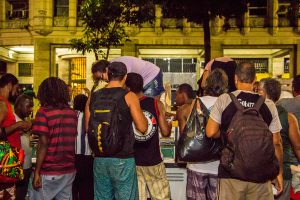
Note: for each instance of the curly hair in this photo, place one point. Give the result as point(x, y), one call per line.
point(53, 92)
point(216, 83)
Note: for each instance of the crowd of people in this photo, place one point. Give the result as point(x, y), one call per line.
point(106, 145)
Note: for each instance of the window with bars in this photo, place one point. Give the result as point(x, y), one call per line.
point(61, 8)
point(25, 69)
point(175, 65)
point(78, 75)
point(260, 64)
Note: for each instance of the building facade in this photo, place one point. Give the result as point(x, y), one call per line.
point(34, 38)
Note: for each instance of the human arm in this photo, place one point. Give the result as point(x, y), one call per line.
point(3, 111)
point(212, 129)
point(18, 126)
point(40, 156)
point(277, 142)
point(204, 77)
point(87, 113)
point(165, 127)
point(40, 128)
point(294, 134)
point(136, 112)
point(182, 115)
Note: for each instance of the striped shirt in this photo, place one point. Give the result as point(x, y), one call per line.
point(60, 126)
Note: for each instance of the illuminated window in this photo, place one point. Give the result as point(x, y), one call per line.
point(78, 75)
point(175, 65)
point(260, 64)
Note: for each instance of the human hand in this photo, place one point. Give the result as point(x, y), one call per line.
point(25, 125)
point(36, 183)
point(279, 184)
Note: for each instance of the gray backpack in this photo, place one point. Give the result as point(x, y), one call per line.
point(248, 153)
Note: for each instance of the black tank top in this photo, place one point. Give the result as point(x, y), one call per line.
point(146, 147)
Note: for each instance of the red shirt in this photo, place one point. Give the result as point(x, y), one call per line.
point(60, 126)
point(14, 139)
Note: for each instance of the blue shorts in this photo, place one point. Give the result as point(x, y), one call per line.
point(115, 178)
point(54, 187)
point(155, 87)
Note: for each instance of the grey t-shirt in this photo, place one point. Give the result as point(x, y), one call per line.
point(291, 105)
point(247, 99)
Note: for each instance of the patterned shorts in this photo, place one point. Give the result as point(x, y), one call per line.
point(155, 179)
point(201, 186)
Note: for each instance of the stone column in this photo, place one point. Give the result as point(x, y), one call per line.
point(246, 22)
point(186, 26)
point(273, 16)
point(72, 13)
point(297, 59)
point(216, 25)
point(3, 11)
point(41, 16)
point(41, 65)
point(158, 18)
point(216, 48)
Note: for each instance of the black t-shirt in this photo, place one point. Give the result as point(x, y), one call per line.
point(146, 147)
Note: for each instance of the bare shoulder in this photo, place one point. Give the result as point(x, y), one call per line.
point(130, 97)
point(184, 109)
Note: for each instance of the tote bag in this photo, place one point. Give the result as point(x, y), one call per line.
point(193, 145)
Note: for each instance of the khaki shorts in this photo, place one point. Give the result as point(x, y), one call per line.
point(233, 189)
point(155, 179)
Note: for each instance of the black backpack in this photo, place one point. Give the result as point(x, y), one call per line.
point(249, 154)
point(105, 124)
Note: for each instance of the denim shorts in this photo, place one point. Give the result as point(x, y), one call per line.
point(54, 186)
point(155, 87)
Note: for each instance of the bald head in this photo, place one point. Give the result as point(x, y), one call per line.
point(245, 72)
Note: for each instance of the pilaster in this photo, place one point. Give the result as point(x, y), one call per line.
point(273, 16)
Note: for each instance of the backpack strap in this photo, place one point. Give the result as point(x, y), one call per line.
point(236, 102)
point(259, 103)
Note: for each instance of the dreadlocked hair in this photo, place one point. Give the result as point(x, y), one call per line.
point(53, 92)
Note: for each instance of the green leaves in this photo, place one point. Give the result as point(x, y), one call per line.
point(104, 22)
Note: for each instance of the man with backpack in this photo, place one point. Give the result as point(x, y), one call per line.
point(249, 127)
point(111, 137)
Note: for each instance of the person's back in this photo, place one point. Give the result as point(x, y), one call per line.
point(150, 168)
point(271, 89)
point(62, 131)
point(146, 69)
point(114, 173)
point(234, 186)
point(56, 125)
point(202, 176)
point(292, 105)
point(83, 185)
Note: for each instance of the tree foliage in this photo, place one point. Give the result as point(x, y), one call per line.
point(202, 11)
point(104, 23)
